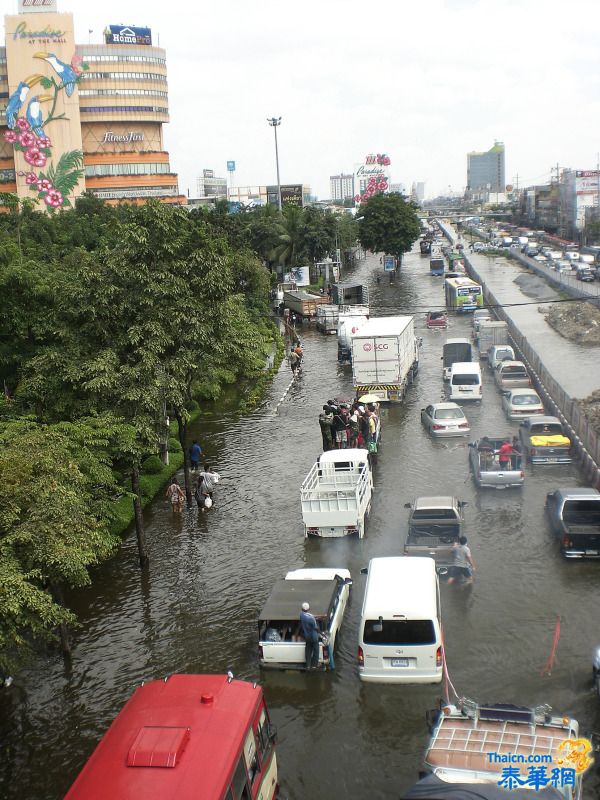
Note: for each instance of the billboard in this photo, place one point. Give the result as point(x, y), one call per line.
point(298, 275)
point(389, 263)
point(291, 195)
point(125, 34)
point(587, 181)
point(231, 166)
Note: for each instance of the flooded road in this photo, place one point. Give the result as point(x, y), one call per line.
point(196, 610)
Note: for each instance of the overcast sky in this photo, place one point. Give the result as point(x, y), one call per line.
point(424, 82)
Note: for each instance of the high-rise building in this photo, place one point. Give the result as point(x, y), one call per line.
point(420, 191)
point(485, 171)
point(82, 117)
point(209, 186)
point(341, 187)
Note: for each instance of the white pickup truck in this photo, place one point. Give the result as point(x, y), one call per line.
point(280, 644)
point(336, 494)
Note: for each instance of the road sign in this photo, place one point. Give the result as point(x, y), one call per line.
point(389, 263)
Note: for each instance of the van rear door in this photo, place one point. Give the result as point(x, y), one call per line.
point(402, 650)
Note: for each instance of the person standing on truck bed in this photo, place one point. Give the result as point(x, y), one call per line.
point(339, 429)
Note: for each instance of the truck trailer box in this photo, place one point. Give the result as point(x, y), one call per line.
point(384, 356)
point(489, 334)
point(349, 294)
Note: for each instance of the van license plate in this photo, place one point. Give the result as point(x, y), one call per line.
point(399, 662)
point(552, 460)
point(587, 552)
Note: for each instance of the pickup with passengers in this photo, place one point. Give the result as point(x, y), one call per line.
point(434, 525)
point(574, 516)
point(544, 442)
point(326, 590)
point(336, 494)
point(486, 469)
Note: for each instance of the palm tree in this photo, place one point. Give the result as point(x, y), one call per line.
point(287, 250)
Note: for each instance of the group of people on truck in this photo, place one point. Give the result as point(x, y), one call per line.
point(509, 453)
point(344, 425)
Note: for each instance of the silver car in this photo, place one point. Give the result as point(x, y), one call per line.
point(445, 419)
point(522, 403)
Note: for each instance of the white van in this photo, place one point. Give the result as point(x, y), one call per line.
point(465, 381)
point(399, 639)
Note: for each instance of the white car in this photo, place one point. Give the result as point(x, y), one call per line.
point(499, 353)
point(445, 419)
point(326, 590)
point(522, 403)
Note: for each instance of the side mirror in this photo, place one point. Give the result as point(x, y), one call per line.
point(364, 571)
point(348, 582)
point(407, 505)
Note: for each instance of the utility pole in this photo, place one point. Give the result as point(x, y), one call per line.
point(274, 122)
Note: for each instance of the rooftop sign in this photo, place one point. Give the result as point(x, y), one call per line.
point(36, 6)
point(125, 34)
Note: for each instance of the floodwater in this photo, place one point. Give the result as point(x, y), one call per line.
point(196, 609)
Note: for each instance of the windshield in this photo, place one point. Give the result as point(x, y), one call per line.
point(399, 632)
point(525, 400)
point(448, 413)
point(514, 372)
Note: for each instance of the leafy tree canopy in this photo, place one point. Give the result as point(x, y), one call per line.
point(389, 224)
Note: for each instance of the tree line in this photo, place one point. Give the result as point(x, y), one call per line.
point(111, 318)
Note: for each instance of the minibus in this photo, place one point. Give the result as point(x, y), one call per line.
point(465, 381)
point(399, 639)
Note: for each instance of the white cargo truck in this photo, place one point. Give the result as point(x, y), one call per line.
point(336, 494)
point(385, 358)
point(489, 334)
point(327, 318)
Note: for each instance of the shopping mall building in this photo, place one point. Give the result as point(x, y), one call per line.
point(81, 118)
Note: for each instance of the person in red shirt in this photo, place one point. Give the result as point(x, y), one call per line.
point(505, 455)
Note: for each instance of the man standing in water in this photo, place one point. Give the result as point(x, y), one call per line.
point(464, 566)
point(310, 631)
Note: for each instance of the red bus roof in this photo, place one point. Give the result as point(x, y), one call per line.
point(179, 738)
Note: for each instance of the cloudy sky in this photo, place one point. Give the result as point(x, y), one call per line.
point(424, 82)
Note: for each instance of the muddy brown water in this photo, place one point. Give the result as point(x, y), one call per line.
point(196, 609)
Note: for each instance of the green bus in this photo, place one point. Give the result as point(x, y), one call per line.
point(463, 295)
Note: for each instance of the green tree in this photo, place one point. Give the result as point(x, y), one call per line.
point(389, 224)
point(56, 499)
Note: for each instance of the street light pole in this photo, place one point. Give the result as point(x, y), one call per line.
point(274, 122)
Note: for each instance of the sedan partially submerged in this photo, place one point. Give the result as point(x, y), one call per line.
point(445, 419)
point(280, 642)
point(522, 403)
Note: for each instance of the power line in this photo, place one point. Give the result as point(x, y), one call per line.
point(485, 306)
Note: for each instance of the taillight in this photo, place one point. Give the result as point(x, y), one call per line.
point(522, 474)
point(260, 651)
point(438, 657)
point(312, 530)
point(361, 657)
point(351, 528)
point(480, 389)
point(567, 542)
point(464, 425)
point(438, 427)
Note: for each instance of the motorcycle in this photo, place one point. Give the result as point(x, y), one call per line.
point(596, 669)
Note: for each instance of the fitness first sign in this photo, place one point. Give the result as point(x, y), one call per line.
point(37, 6)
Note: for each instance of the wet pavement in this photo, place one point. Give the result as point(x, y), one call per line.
point(196, 609)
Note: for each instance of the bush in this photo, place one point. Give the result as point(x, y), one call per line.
point(193, 405)
point(174, 445)
point(152, 465)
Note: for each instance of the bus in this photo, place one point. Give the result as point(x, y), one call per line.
point(188, 736)
point(463, 295)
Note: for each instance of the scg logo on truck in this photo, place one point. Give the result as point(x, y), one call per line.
point(367, 347)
